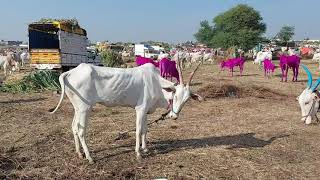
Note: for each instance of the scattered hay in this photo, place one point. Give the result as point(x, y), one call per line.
point(227, 90)
point(214, 91)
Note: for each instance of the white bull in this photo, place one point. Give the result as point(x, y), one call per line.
point(261, 56)
point(141, 88)
point(292, 52)
point(196, 57)
point(163, 55)
point(208, 57)
point(316, 57)
point(309, 99)
point(24, 57)
point(180, 58)
point(8, 63)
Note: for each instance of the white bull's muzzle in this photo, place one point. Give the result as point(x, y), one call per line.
point(173, 115)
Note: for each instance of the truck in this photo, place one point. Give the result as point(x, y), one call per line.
point(59, 45)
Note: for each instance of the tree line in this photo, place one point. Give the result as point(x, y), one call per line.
point(241, 27)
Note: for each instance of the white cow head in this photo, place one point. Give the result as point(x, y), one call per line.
point(181, 93)
point(309, 99)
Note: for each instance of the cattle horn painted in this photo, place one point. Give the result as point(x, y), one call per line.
point(314, 87)
point(309, 75)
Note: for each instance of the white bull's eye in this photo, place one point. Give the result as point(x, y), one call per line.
point(306, 103)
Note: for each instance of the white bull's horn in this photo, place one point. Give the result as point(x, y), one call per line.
point(191, 75)
point(179, 70)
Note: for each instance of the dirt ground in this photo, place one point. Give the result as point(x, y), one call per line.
point(248, 128)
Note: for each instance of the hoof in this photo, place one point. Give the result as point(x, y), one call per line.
point(146, 150)
point(308, 122)
point(91, 161)
point(139, 158)
point(80, 155)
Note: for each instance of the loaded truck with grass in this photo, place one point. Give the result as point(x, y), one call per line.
point(59, 44)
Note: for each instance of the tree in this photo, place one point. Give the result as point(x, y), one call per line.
point(285, 34)
point(111, 59)
point(205, 33)
point(241, 27)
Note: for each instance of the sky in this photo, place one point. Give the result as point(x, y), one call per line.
point(171, 21)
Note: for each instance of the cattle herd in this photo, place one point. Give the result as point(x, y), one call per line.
point(288, 59)
point(146, 88)
point(13, 60)
point(150, 86)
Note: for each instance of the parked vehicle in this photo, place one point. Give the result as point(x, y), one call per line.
point(58, 45)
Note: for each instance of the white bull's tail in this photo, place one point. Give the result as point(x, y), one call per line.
point(62, 84)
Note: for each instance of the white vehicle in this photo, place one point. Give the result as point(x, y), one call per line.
point(58, 45)
point(147, 51)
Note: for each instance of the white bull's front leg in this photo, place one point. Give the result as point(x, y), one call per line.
point(141, 119)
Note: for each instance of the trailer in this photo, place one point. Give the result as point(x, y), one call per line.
point(58, 45)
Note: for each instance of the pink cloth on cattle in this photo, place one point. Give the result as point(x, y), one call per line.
point(168, 68)
point(143, 60)
point(231, 63)
point(287, 62)
point(268, 66)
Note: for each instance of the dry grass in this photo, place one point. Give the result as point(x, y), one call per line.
point(248, 128)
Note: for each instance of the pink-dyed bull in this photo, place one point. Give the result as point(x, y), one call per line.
point(143, 60)
point(287, 62)
point(168, 69)
point(231, 63)
point(269, 67)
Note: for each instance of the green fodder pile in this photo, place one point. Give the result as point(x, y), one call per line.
point(228, 90)
point(34, 82)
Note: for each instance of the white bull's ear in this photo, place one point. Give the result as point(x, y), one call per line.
point(169, 89)
point(297, 98)
point(196, 97)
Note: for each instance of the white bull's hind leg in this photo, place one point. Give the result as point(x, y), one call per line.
point(82, 126)
point(75, 130)
point(144, 134)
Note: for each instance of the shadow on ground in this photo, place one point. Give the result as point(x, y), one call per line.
point(246, 140)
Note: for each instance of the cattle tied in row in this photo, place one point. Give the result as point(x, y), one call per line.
point(167, 67)
point(141, 88)
point(231, 63)
point(309, 99)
